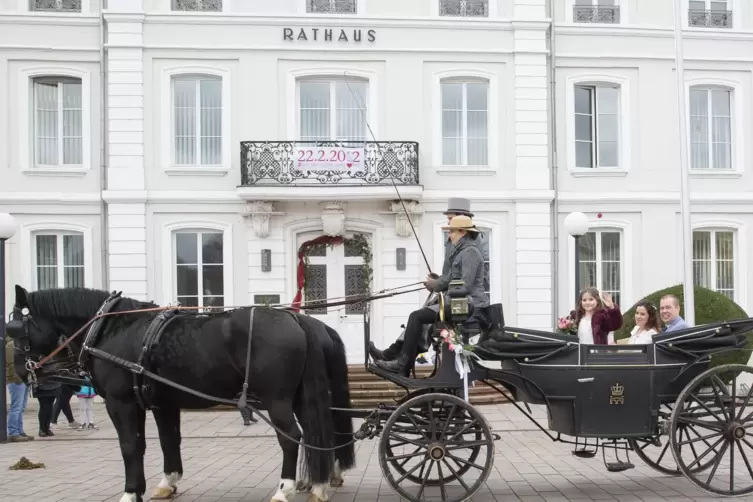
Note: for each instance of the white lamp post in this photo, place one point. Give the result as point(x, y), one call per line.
point(577, 226)
point(8, 228)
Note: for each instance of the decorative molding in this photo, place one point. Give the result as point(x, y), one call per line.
point(260, 213)
point(402, 225)
point(333, 218)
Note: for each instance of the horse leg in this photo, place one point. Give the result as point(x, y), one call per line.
point(168, 426)
point(336, 479)
point(129, 420)
point(281, 414)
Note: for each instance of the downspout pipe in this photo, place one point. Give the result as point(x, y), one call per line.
point(555, 166)
point(105, 150)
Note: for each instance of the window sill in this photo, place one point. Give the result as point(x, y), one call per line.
point(197, 171)
point(57, 172)
point(715, 173)
point(597, 173)
point(466, 171)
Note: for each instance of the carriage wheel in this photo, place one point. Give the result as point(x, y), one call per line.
point(660, 457)
point(712, 404)
point(431, 446)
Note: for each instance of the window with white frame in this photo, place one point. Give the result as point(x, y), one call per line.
point(600, 262)
point(464, 8)
point(199, 268)
point(465, 123)
point(197, 120)
point(484, 237)
point(714, 260)
point(59, 260)
point(596, 11)
point(709, 13)
point(331, 6)
point(58, 122)
point(55, 5)
point(332, 109)
point(597, 126)
point(197, 5)
point(710, 128)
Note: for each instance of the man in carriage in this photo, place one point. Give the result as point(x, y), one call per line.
point(456, 206)
point(466, 263)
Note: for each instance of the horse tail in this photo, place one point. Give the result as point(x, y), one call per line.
point(337, 369)
point(316, 415)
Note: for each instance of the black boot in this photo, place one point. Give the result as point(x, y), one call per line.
point(400, 365)
point(375, 353)
point(393, 351)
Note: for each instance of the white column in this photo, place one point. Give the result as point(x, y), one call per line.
point(125, 136)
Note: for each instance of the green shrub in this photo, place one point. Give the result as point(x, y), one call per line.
point(710, 307)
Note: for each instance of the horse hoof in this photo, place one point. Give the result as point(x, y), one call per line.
point(314, 498)
point(336, 483)
point(302, 487)
point(161, 493)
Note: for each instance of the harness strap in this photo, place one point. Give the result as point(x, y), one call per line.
point(93, 333)
point(242, 404)
point(151, 338)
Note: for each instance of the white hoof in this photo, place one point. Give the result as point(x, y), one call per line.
point(128, 497)
point(318, 494)
point(167, 487)
point(286, 489)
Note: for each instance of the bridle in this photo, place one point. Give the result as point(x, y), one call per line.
point(17, 329)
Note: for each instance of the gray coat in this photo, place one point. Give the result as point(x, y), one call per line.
point(465, 262)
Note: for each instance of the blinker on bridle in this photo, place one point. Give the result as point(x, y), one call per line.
point(17, 328)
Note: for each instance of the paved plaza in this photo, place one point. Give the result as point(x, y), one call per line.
point(225, 461)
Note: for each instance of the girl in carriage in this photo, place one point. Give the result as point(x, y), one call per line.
point(600, 316)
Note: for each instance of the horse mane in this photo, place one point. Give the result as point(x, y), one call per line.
point(82, 303)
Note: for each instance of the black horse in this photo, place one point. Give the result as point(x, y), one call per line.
point(297, 369)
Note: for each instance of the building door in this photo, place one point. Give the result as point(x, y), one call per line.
point(335, 273)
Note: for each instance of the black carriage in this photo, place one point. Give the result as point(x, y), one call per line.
point(648, 399)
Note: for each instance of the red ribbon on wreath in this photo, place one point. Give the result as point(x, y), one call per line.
point(301, 271)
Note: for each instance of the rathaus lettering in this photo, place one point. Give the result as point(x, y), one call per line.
point(328, 35)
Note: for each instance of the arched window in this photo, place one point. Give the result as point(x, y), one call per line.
point(597, 125)
point(710, 127)
point(714, 260)
point(601, 261)
point(58, 122)
point(465, 121)
point(198, 258)
point(197, 120)
point(58, 259)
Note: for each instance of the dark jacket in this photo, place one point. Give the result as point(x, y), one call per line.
point(466, 263)
point(10, 369)
point(604, 321)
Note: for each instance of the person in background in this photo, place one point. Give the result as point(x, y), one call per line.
point(45, 393)
point(86, 407)
point(600, 317)
point(19, 395)
point(63, 403)
point(646, 324)
point(669, 309)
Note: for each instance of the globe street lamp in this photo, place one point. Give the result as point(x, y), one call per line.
point(576, 225)
point(8, 227)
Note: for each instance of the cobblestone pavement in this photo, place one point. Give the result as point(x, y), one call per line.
point(225, 461)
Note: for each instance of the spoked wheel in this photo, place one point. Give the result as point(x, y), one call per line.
point(437, 447)
point(660, 457)
point(722, 416)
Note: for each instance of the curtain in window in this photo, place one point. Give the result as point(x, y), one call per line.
point(198, 121)
point(607, 99)
point(315, 111)
point(47, 261)
point(596, 111)
point(465, 123)
point(710, 137)
point(348, 115)
point(58, 123)
point(51, 273)
point(714, 261)
point(600, 262)
point(199, 269)
point(350, 99)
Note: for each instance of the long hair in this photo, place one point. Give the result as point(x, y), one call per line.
point(580, 311)
point(653, 315)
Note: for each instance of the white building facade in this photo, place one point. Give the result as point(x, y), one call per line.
point(153, 147)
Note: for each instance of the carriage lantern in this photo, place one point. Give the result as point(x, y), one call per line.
point(459, 308)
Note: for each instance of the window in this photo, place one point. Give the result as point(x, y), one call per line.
point(596, 11)
point(331, 6)
point(268, 299)
point(483, 245)
point(709, 14)
point(464, 8)
point(197, 120)
point(710, 128)
point(199, 269)
point(58, 122)
point(600, 262)
point(714, 261)
point(597, 126)
point(465, 123)
point(55, 5)
point(332, 110)
point(59, 260)
point(198, 5)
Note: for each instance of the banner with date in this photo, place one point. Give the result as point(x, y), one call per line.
point(343, 159)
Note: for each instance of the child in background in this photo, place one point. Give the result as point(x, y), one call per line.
point(86, 407)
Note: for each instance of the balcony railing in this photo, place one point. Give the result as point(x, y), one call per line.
point(197, 5)
point(464, 8)
point(317, 163)
point(56, 5)
point(331, 6)
point(604, 14)
point(710, 18)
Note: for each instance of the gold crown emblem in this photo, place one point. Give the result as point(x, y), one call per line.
point(617, 389)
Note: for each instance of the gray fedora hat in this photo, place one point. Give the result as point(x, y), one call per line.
point(457, 205)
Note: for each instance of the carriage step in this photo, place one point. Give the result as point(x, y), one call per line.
point(583, 453)
point(619, 466)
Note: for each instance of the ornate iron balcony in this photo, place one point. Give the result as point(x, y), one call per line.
point(198, 5)
point(331, 6)
point(464, 8)
point(56, 5)
point(606, 14)
point(710, 18)
point(317, 163)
